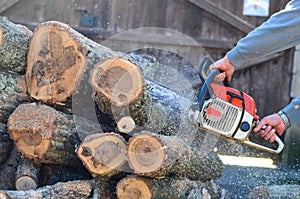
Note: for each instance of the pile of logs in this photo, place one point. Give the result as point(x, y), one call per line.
point(52, 80)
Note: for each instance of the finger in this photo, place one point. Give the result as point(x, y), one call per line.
point(220, 77)
point(229, 77)
point(266, 131)
point(259, 126)
point(272, 139)
point(269, 135)
point(263, 133)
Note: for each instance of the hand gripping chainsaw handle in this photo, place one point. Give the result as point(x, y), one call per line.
point(242, 127)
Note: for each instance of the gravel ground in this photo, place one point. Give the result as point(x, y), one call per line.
point(239, 181)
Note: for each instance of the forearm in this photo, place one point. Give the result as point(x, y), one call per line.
point(280, 32)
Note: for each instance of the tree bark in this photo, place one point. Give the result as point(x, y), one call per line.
point(8, 170)
point(71, 190)
point(14, 43)
point(54, 173)
point(134, 187)
point(103, 154)
point(13, 92)
point(43, 134)
point(6, 144)
point(27, 175)
point(57, 59)
point(156, 155)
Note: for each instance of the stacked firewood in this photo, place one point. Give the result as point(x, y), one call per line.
point(79, 120)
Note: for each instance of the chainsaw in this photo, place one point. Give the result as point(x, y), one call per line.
point(225, 111)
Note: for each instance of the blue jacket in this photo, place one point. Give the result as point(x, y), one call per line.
point(280, 32)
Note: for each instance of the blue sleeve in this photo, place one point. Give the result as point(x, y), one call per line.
point(292, 111)
point(280, 32)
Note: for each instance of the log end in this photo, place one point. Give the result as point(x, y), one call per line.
point(118, 80)
point(25, 183)
point(146, 153)
point(56, 62)
point(103, 154)
point(126, 125)
point(30, 126)
point(134, 188)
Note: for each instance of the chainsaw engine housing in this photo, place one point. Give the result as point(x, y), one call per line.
point(228, 112)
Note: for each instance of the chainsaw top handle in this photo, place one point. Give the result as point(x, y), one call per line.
point(207, 79)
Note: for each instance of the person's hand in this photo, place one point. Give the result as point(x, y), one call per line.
point(224, 65)
point(274, 124)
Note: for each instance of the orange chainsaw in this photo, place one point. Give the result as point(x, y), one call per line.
point(226, 111)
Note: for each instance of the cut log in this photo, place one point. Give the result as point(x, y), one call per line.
point(14, 44)
point(276, 191)
point(103, 154)
point(134, 187)
point(156, 155)
point(71, 190)
point(57, 59)
point(8, 170)
point(43, 134)
point(27, 175)
point(13, 92)
point(120, 90)
point(126, 125)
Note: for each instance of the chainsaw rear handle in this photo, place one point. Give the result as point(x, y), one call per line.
point(255, 145)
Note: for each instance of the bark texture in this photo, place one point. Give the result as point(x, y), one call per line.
point(67, 190)
point(14, 43)
point(13, 92)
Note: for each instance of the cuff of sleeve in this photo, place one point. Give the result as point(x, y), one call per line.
point(292, 112)
point(285, 119)
point(235, 57)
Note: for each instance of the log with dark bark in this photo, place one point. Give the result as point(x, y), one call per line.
point(57, 59)
point(6, 144)
point(134, 187)
point(71, 190)
point(103, 154)
point(8, 170)
point(54, 173)
point(158, 156)
point(43, 134)
point(13, 92)
point(14, 43)
point(27, 175)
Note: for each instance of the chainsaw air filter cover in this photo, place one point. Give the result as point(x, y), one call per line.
point(221, 117)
